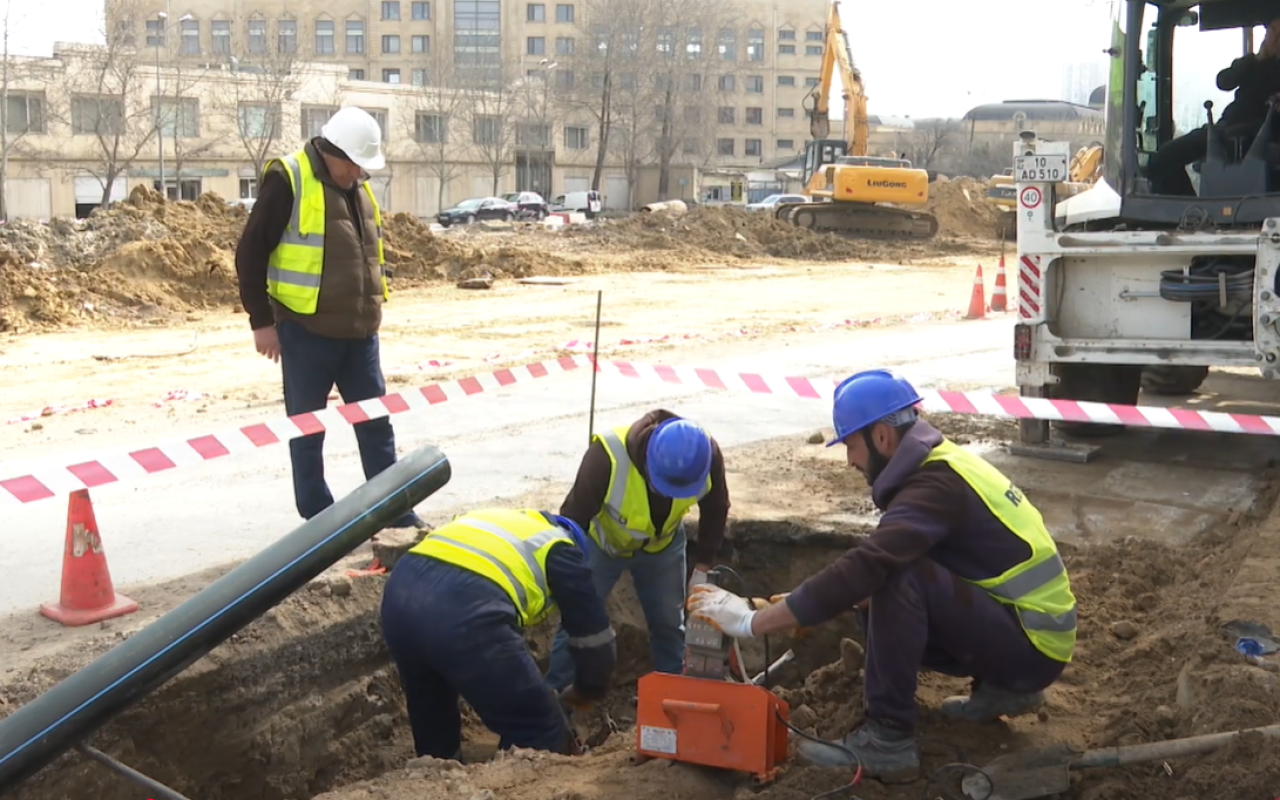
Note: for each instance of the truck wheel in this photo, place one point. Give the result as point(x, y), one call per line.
point(1100, 383)
point(1173, 379)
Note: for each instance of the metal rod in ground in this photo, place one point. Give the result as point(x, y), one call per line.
point(782, 659)
point(67, 714)
point(595, 370)
point(153, 787)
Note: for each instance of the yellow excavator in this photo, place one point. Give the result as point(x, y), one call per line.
point(851, 192)
point(1085, 170)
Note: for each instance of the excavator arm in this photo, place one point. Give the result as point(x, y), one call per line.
point(835, 52)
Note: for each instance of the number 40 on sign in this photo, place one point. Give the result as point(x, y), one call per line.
point(1041, 169)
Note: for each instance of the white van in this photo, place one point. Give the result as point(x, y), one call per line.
point(589, 203)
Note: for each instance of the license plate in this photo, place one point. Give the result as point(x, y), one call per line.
point(1040, 169)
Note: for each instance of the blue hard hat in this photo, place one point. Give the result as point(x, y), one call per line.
point(568, 526)
point(678, 458)
point(869, 397)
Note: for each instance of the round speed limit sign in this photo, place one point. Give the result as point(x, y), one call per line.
point(1030, 197)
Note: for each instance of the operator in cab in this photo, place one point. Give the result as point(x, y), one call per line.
point(960, 577)
point(1255, 79)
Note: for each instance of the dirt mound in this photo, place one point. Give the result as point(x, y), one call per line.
point(962, 208)
point(417, 254)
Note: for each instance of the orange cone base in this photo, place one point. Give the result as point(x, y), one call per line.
point(74, 617)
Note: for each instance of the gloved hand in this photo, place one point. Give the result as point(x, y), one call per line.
point(571, 698)
point(697, 578)
point(760, 603)
point(728, 612)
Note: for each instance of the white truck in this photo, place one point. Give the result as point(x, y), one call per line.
point(1119, 288)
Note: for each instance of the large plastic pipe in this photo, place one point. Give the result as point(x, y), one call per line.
point(57, 720)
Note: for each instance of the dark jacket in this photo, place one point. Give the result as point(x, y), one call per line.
point(350, 305)
point(586, 498)
point(929, 511)
point(1254, 80)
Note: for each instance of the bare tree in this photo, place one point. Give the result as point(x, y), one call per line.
point(494, 105)
point(16, 120)
point(535, 127)
point(439, 108)
point(931, 139)
point(178, 114)
point(261, 79)
point(109, 88)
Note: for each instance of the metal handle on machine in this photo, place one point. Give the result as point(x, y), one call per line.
point(689, 705)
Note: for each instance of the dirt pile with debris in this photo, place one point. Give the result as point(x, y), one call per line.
point(962, 208)
point(417, 254)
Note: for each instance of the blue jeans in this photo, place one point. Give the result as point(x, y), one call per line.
point(312, 365)
point(660, 586)
point(453, 633)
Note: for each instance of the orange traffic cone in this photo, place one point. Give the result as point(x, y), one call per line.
point(999, 299)
point(977, 300)
point(87, 593)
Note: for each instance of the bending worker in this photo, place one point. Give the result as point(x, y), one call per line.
point(312, 279)
point(453, 615)
point(962, 577)
point(634, 487)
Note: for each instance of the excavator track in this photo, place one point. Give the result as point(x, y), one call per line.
point(861, 220)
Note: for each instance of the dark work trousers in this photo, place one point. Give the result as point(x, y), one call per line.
point(312, 365)
point(1168, 166)
point(452, 632)
point(926, 617)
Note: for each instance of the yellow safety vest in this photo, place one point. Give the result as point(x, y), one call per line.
point(1039, 587)
point(509, 547)
point(295, 266)
point(623, 524)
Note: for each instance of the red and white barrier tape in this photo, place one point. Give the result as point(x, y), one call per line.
point(44, 483)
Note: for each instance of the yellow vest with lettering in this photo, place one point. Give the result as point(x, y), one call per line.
point(295, 266)
point(509, 547)
point(1038, 588)
point(623, 525)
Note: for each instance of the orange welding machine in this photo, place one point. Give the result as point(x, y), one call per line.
point(711, 714)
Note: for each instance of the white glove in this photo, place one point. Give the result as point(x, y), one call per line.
point(697, 578)
point(727, 611)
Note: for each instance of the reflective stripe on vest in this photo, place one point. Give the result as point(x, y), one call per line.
point(296, 265)
point(1038, 588)
point(508, 547)
point(624, 524)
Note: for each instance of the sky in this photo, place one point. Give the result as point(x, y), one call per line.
point(919, 58)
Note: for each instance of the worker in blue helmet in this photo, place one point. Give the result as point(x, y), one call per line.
point(454, 613)
point(635, 485)
point(960, 577)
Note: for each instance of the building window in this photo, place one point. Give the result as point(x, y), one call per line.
point(390, 44)
point(430, 129)
point(379, 116)
point(693, 82)
point(535, 12)
point(391, 9)
point(486, 130)
point(724, 147)
point(810, 82)
point(813, 36)
point(786, 113)
point(755, 44)
point(577, 138)
point(25, 113)
point(564, 45)
point(96, 115)
point(726, 115)
point(728, 83)
point(755, 116)
point(221, 36)
point(421, 10)
point(420, 44)
point(418, 77)
point(355, 74)
point(287, 36)
point(786, 144)
point(176, 116)
point(535, 46)
point(786, 49)
point(813, 50)
point(666, 42)
point(125, 33)
point(564, 79)
point(155, 33)
point(190, 40)
point(755, 84)
point(693, 43)
point(355, 36)
point(728, 44)
point(533, 136)
point(693, 115)
point(258, 120)
point(257, 37)
point(564, 12)
point(786, 35)
point(324, 37)
point(314, 118)
point(786, 80)
point(753, 147)
point(477, 40)
point(248, 188)
point(391, 75)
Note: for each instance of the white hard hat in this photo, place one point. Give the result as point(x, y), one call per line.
point(355, 132)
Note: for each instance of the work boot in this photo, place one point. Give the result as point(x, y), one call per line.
point(882, 750)
point(410, 520)
point(987, 703)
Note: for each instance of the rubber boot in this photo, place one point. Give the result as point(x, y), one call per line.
point(988, 703)
point(881, 750)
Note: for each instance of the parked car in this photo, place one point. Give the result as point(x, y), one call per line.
point(772, 200)
point(589, 203)
point(529, 204)
point(477, 208)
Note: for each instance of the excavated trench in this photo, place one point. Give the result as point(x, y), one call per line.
point(305, 700)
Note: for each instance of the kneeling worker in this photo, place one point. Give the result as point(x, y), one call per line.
point(962, 576)
point(453, 613)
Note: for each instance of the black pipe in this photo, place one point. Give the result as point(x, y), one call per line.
point(154, 787)
point(36, 734)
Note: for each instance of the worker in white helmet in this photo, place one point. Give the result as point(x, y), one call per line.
point(313, 280)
